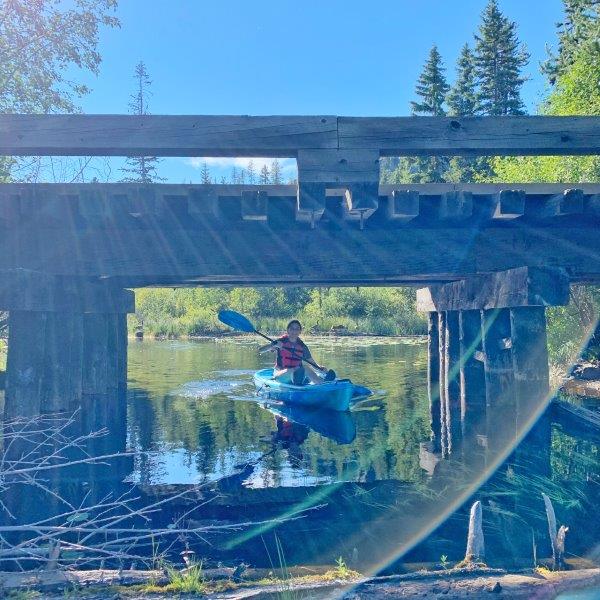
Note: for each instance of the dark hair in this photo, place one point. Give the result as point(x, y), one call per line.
point(293, 322)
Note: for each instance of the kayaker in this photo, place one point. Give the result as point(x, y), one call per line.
point(291, 350)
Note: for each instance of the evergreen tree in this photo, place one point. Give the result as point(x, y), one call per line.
point(499, 59)
point(581, 24)
point(141, 169)
point(251, 172)
point(264, 176)
point(234, 175)
point(223, 180)
point(275, 172)
point(432, 87)
point(462, 97)
point(205, 177)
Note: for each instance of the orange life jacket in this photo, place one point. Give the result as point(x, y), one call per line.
point(291, 355)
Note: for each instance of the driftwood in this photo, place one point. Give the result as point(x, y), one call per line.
point(557, 537)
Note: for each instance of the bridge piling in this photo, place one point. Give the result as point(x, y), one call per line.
point(67, 340)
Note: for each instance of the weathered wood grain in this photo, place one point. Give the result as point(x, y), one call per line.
point(469, 136)
point(403, 205)
point(569, 202)
point(524, 286)
point(164, 135)
point(254, 205)
point(510, 204)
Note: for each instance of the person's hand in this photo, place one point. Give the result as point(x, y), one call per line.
point(277, 345)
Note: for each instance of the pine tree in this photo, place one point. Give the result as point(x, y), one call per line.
point(205, 177)
point(223, 180)
point(462, 97)
point(432, 87)
point(462, 101)
point(264, 176)
point(141, 169)
point(499, 59)
point(251, 172)
point(275, 172)
point(581, 25)
point(234, 175)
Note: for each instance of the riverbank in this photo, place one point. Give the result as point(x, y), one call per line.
point(454, 583)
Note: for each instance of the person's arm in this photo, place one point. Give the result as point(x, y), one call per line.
point(270, 347)
point(306, 354)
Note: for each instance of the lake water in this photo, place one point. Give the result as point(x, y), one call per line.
point(194, 413)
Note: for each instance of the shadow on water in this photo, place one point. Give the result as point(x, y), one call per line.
point(372, 486)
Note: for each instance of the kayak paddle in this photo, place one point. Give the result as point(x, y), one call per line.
point(237, 321)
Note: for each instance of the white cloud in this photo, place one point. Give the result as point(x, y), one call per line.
point(288, 165)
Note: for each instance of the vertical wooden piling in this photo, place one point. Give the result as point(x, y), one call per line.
point(442, 370)
point(452, 394)
point(472, 371)
point(433, 379)
point(499, 379)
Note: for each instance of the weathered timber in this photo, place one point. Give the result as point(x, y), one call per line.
point(455, 206)
point(509, 204)
point(444, 433)
point(469, 136)
point(452, 394)
point(95, 354)
point(403, 205)
point(499, 379)
point(569, 202)
point(35, 291)
point(254, 206)
point(475, 541)
point(524, 286)
point(164, 135)
point(433, 380)
point(472, 372)
point(202, 202)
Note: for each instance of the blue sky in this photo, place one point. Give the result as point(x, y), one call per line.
point(294, 57)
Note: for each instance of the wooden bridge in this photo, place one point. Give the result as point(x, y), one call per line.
point(491, 256)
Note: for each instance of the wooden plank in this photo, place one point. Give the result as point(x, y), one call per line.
point(95, 354)
point(361, 201)
point(452, 394)
point(444, 434)
point(524, 286)
point(164, 135)
point(202, 201)
point(471, 136)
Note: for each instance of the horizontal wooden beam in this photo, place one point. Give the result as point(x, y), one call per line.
point(524, 286)
point(164, 135)
point(284, 136)
point(471, 136)
point(38, 291)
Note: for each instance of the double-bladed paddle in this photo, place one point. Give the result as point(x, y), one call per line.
point(237, 321)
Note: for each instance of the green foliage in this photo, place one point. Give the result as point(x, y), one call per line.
point(499, 59)
point(173, 313)
point(577, 92)
point(432, 87)
point(581, 25)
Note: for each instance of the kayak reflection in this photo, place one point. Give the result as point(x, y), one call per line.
point(294, 423)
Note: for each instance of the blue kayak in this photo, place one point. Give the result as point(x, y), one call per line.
point(333, 395)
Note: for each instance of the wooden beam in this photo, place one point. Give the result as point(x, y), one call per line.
point(164, 135)
point(455, 206)
point(568, 202)
point(471, 136)
point(433, 381)
point(254, 205)
point(403, 205)
point(509, 204)
point(524, 286)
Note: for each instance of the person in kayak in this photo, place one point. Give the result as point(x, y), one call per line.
point(291, 350)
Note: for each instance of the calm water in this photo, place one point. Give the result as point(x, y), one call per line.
point(194, 414)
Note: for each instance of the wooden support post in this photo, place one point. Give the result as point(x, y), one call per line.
point(443, 390)
point(509, 204)
point(433, 380)
point(403, 205)
point(499, 379)
point(202, 202)
point(95, 353)
point(122, 343)
point(472, 373)
point(254, 205)
point(452, 394)
point(455, 206)
point(570, 202)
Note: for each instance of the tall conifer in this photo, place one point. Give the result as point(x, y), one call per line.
point(499, 60)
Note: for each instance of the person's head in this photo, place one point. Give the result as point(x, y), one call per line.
point(294, 329)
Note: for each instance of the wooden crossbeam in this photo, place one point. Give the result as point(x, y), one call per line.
point(523, 286)
point(284, 136)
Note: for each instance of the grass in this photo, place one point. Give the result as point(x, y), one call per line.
point(189, 581)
